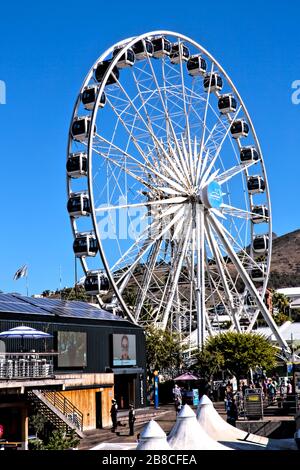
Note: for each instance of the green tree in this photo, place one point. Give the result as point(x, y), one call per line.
point(207, 363)
point(280, 302)
point(163, 349)
point(242, 351)
point(59, 440)
point(74, 293)
point(38, 421)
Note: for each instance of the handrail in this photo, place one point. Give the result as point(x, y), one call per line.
point(65, 406)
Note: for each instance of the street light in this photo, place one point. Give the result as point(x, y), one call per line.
point(156, 399)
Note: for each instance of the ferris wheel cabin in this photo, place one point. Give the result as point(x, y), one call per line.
point(142, 49)
point(227, 104)
point(96, 283)
point(258, 273)
point(260, 214)
point(77, 165)
point(239, 128)
point(256, 184)
point(126, 60)
point(196, 65)
point(261, 243)
point(161, 47)
point(249, 154)
point(212, 82)
point(79, 205)
point(177, 51)
point(89, 96)
point(85, 244)
point(101, 70)
point(80, 128)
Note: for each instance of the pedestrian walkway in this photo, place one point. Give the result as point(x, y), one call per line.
point(94, 437)
point(166, 417)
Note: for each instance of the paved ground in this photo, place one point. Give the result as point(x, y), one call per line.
point(166, 419)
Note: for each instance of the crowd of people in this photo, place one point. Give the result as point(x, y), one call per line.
point(270, 389)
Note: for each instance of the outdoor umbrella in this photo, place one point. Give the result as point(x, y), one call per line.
point(184, 377)
point(24, 332)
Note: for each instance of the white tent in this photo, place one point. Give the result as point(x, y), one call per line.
point(115, 446)
point(187, 434)
point(218, 429)
point(153, 438)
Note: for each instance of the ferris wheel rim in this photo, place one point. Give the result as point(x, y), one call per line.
point(127, 44)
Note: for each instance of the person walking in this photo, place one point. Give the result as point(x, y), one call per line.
point(232, 412)
point(131, 420)
point(114, 415)
point(178, 404)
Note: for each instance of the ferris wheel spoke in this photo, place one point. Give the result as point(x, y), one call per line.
point(160, 234)
point(219, 263)
point(126, 170)
point(130, 128)
point(217, 296)
point(145, 168)
point(169, 121)
point(144, 103)
point(149, 130)
point(206, 171)
point(205, 113)
point(190, 261)
point(175, 271)
point(231, 172)
point(236, 211)
point(172, 200)
point(131, 137)
point(165, 100)
point(187, 124)
point(245, 276)
point(147, 277)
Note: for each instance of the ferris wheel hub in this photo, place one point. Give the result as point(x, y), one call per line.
point(212, 195)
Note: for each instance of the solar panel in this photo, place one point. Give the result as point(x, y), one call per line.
point(20, 307)
point(93, 313)
point(43, 306)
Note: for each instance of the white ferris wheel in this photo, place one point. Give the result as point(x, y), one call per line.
point(167, 189)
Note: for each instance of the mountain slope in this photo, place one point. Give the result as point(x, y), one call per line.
point(285, 265)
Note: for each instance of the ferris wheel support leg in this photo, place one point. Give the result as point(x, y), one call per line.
point(248, 282)
point(215, 250)
point(175, 277)
point(200, 290)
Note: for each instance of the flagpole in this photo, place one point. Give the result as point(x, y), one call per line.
point(26, 277)
point(60, 280)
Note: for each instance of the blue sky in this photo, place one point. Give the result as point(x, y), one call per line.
point(46, 50)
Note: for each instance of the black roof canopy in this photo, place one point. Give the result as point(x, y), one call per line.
point(15, 303)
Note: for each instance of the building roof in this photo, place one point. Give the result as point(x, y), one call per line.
point(295, 303)
point(15, 303)
point(290, 291)
point(288, 331)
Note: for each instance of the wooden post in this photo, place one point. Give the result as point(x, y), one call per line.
point(24, 427)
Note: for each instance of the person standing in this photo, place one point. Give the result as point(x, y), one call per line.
point(131, 420)
point(114, 415)
point(232, 412)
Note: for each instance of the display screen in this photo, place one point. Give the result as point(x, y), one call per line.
point(71, 346)
point(124, 350)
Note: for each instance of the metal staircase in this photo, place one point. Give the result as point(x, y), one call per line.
point(58, 410)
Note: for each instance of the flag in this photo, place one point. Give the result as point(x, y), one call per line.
point(21, 272)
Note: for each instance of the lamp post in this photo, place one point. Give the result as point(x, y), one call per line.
point(156, 399)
